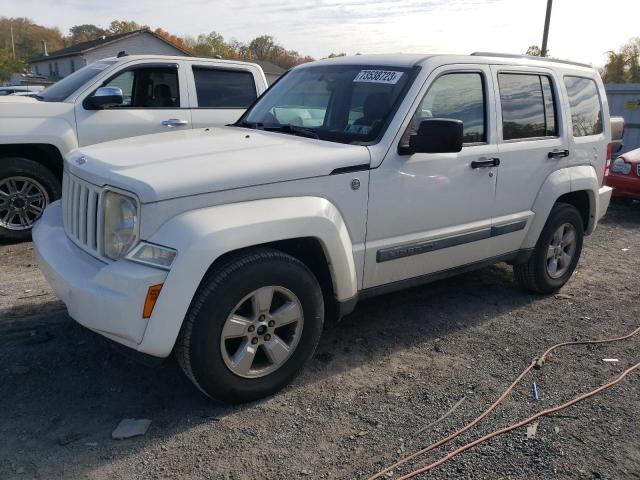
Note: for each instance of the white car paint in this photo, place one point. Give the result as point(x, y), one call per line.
point(212, 191)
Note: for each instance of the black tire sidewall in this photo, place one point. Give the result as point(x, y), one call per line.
point(562, 213)
point(24, 167)
point(208, 367)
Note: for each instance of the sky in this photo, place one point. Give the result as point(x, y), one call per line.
point(581, 30)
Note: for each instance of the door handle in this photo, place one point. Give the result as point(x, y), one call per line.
point(485, 163)
point(175, 122)
point(558, 154)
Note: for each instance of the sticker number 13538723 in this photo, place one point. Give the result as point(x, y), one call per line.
point(378, 76)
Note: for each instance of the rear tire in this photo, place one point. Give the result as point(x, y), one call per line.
point(556, 253)
point(26, 189)
point(241, 302)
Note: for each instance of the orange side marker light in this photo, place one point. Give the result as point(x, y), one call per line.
point(152, 296)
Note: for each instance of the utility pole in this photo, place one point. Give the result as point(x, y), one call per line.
point(13, 45)
point(545, 35)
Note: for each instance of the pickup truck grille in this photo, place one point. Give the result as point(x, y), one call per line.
point(81, 213)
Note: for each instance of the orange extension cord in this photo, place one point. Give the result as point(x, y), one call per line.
point(536, 363)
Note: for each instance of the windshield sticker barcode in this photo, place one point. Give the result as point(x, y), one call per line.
point(378, 76)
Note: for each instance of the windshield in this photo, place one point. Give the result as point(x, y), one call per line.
point(59, 91)
point(344, 104)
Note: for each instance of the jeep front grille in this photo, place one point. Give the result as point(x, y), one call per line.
point(81, 213)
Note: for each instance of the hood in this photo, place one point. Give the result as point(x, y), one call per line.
point(19, 106)
point(17, 99)
point(169, 165)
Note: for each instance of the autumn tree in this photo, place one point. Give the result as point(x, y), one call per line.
point(123, 26)
point(624, 65)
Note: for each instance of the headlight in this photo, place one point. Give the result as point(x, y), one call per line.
point(620, 166)
point(121, 224)
point(152, 255)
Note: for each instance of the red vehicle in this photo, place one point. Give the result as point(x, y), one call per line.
point(624, 176)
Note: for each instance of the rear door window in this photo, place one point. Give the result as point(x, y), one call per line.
point(584, 102)
point(224, 88)
point(528, 106)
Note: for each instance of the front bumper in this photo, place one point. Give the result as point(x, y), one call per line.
point(626, 186)
point(105, 297)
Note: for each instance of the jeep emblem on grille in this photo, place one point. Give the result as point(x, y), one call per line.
point(82, 160)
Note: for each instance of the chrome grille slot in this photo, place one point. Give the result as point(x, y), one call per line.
point(80, 213)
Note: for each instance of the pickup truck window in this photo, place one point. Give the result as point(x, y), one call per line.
point(148, 87)
point(528, 109)
point(584, 101)
point(221, 88)
point(458, 96)
point(343, 104)
point(61, 90)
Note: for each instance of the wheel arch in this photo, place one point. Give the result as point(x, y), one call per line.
point(45, 154)
point(577, 186)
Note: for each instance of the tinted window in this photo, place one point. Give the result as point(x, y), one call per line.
point(528, 109)
point(584, 101)
point(458, 96)
point(224, 88)
point(148, 87)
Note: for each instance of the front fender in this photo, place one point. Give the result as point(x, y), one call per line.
point(202, 236)
point(50, 131)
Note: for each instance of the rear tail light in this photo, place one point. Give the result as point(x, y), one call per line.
point(607, 162)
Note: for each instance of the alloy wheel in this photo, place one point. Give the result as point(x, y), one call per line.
point(22, 201)
point(561, 250)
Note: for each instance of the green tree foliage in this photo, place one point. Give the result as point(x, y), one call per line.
point(623, 66)
point(535, 51)
point(120, 26)
point(86, 32)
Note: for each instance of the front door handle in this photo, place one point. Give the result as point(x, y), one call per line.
point(175, 122)
point(558, 154)
point(485, 163)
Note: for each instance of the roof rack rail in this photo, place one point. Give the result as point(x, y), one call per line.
point(529, 57)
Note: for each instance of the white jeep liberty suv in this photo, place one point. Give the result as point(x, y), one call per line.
point(350, 177)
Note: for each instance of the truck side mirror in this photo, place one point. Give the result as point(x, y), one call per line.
point(105, 97)
point(436, 135)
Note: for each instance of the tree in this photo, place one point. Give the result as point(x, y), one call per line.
point(535, 51)
point(262, 47)
point(614, 70)
point(123, 26)
point(177, 41)
point(86, 32)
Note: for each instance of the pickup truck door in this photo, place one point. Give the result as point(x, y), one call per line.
point(155, 100)
point(532, 143)
point(219, 93)
point(432, 212)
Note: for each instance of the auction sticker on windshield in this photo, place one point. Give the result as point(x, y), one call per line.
point(378, 76)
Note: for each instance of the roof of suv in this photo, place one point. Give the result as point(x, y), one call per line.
point(407, 60)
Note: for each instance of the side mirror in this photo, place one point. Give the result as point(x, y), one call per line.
point(106, 97)
point(436, 135)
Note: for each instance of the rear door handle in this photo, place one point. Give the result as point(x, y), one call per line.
point(175, 122)
point(558, 154)
point(485, 163)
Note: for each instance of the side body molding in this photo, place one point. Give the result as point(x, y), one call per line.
point(202, 236)
point(560, 182)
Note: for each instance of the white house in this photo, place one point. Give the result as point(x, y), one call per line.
point(59, 64)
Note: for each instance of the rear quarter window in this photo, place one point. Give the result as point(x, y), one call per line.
point(585, 106)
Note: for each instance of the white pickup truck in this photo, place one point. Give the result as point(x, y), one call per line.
point(110, 99)
point(349, 178)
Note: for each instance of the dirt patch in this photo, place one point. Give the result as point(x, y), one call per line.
point(395, 365)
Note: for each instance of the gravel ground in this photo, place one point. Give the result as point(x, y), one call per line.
point(398, 363)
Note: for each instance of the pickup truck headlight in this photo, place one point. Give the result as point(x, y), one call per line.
point(620, 166)
point(121, 224)
point(152, 255)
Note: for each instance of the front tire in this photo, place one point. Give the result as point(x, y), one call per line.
point(252, 325)
point(556, 253)
point(26, 189)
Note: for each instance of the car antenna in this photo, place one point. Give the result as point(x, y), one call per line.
point(122, 53)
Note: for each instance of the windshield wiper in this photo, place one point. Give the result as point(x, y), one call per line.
point(254, 125)
point(294, 130)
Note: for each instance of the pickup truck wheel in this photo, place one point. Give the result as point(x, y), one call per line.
point(251, 326)
point(26, 189)
point(556, 254)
